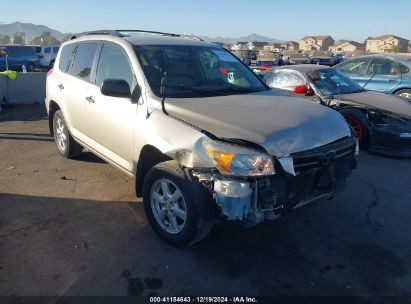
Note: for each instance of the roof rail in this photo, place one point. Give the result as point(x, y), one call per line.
point(149, 32)
point(120, 33)
point(98, 32)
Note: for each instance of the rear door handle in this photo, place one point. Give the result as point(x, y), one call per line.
point(392, 80)
point(60, 86)
point(90, 99)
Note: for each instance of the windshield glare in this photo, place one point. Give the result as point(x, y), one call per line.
point(193, 71)
point(331, 82)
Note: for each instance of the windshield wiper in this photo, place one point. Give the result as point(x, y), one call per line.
point(191, 89)
point(238, 90)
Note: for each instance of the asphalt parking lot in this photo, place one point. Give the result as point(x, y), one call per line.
point(74, 227)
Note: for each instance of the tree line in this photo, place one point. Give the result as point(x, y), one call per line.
point(20, 38)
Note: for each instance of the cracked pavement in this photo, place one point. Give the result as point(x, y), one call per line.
point(75, 227)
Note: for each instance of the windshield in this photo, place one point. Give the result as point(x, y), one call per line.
point(331, 82)
point(193, 71)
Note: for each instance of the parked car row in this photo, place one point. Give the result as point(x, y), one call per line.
point(382, 122)
point(382, 73)
point(14, 57)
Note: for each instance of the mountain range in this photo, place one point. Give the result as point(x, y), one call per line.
point(252, 37)
point(35, 30)
point(31, 30)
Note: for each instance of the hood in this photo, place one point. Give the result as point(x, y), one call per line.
point(280, 123)
point(380, 101)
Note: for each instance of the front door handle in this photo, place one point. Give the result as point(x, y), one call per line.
point(90, 99)
point(392, 80)
point(60, 86)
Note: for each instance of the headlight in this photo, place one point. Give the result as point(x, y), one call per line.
point(238, 161)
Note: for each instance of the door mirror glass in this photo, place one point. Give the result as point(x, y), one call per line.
point(115, 88)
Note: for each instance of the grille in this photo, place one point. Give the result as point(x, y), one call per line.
point(323, 156)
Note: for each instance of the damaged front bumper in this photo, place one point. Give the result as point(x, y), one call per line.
point(302, 178)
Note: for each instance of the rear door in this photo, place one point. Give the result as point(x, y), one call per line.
point(75, 84)
point(111, 119)
point(382, 74)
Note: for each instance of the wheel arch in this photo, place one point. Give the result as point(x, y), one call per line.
point(400, 88)
point(53, 108)
point(149, 157)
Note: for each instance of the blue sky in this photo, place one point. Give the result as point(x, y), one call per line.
point(347, 19)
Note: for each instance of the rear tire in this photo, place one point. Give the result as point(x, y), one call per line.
point(404, 93)
point(66, 145)
point(359, 122)
point(177, 207)
point(31, 67)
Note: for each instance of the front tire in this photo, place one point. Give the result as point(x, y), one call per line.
point(176, 207)
point(404, 93)
point(66, 145)
point(359, 122)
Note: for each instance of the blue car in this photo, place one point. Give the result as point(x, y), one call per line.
point(17, 56)
point(382, 73)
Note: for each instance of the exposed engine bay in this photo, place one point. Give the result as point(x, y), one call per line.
point(316, 173)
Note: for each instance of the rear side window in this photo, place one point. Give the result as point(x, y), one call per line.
point(65, 57)
point(47, 50)
point(83, 60)
point(113, 63)
point(404, 69)
point(383, 66)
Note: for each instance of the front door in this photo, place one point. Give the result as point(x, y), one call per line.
point(112, 119)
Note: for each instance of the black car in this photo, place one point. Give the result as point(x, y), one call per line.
point(382, 122)
point(324, 58)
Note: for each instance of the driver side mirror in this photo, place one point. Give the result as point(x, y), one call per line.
point(302, 89)
point(115, 88)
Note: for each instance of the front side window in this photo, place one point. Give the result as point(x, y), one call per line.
point(355, 66)
point(285, 80)
point(83, 60)
point(331, 82)
point(195, 71)
point(383, 66)
point(55, 50)
point(65, 57)
point(113, 63)
point(47, 50)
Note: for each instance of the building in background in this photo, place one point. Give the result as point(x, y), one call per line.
point(290, 45)
point(387, 43)
point(347, 46)
point(316, 43)
point(272, 47)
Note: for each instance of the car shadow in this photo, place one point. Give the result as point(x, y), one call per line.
point(90, 158)
point(26, 136)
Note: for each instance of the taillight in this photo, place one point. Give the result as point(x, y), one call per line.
point(49, 72)
point(264, 66)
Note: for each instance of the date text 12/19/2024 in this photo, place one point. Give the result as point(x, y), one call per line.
point(203, 300)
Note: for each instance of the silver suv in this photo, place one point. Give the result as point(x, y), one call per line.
point(205, 138)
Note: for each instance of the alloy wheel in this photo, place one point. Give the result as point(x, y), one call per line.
point(61, 135)
point(168, 206)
